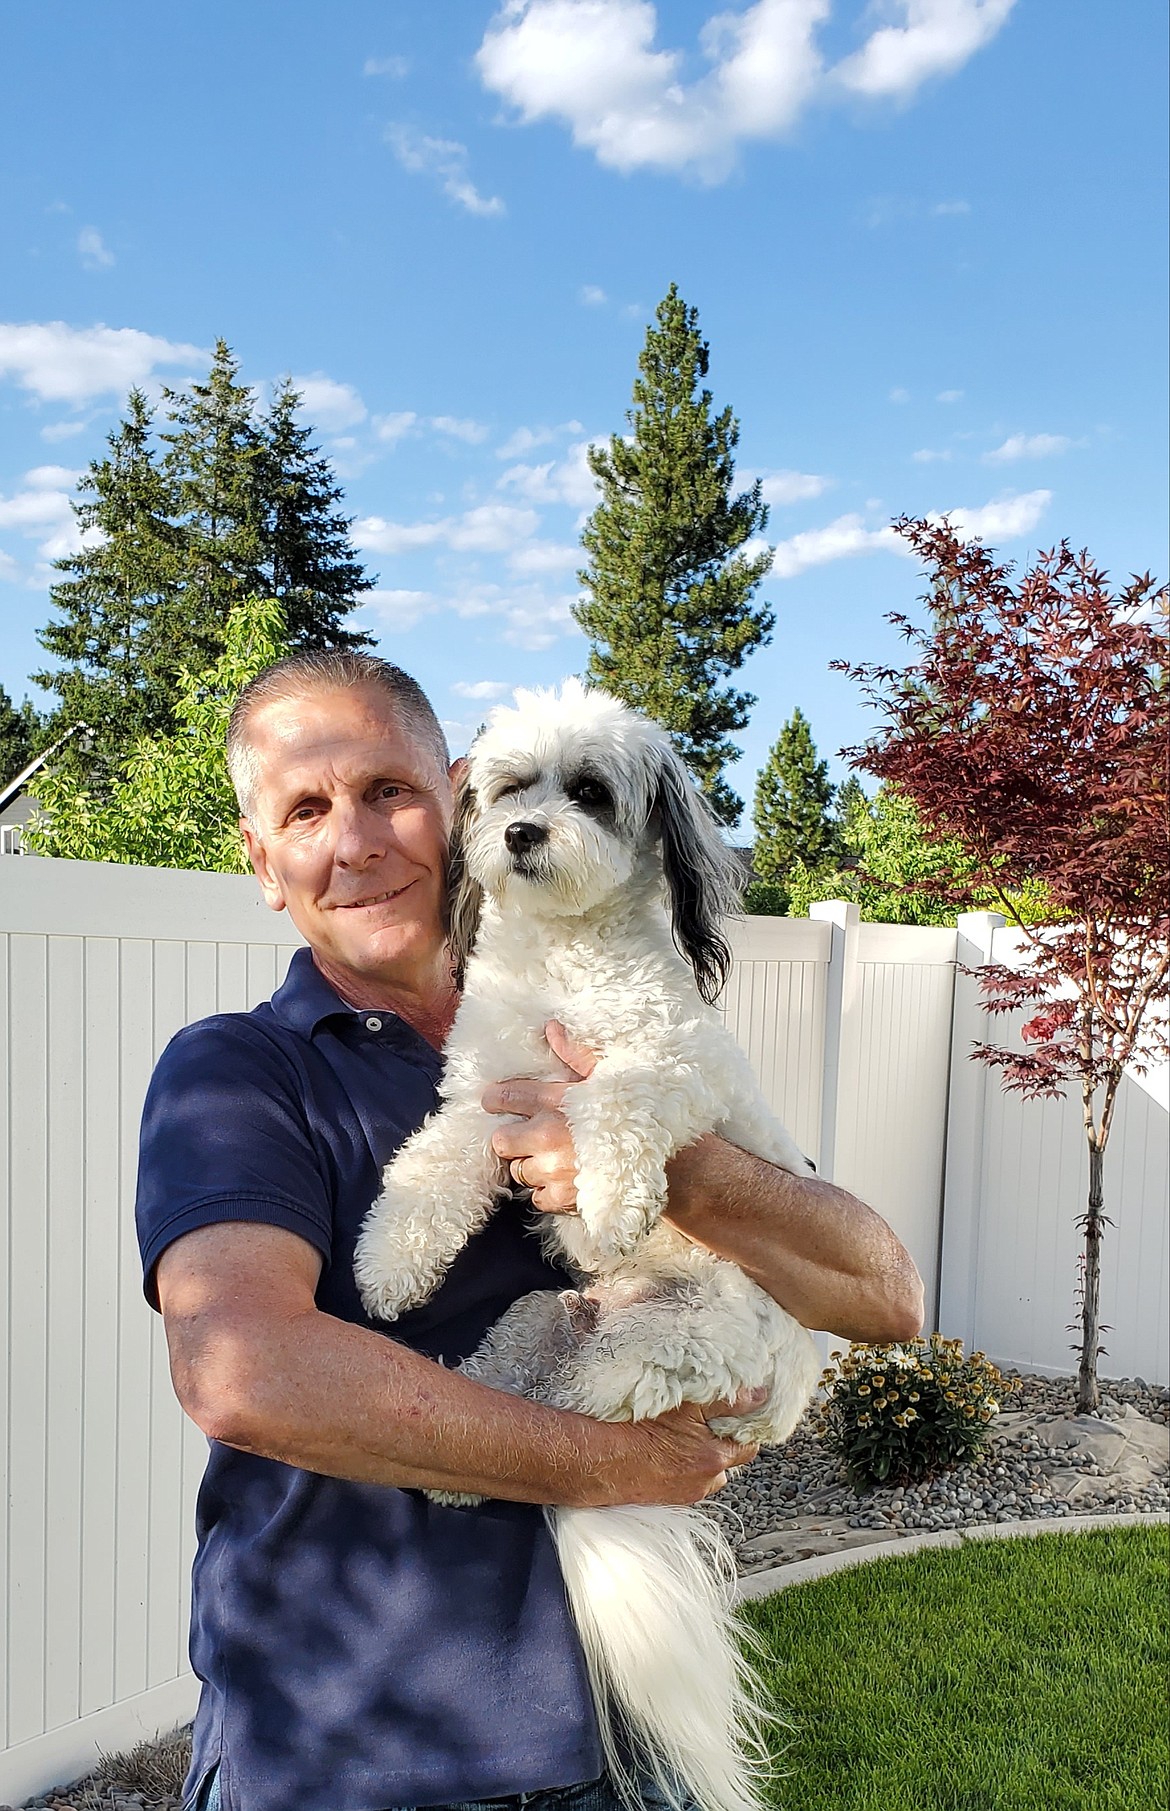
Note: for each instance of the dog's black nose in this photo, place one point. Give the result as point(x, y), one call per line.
point(522, 837)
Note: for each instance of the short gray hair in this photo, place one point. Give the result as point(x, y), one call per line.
point(327, 670)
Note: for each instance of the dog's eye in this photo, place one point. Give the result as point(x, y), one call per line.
point(510, 790)
point(591, 795)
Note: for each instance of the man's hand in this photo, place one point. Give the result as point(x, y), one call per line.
point(539, 1146)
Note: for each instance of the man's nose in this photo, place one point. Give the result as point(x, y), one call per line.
point(361, 836)
point(521, 837)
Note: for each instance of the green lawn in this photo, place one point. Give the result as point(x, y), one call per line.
point(1018, 1675)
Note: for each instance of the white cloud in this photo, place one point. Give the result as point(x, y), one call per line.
point(526, 440)
point(1001, 520)
point(331, 404)
point(393, 427)
point(1028, 446)
point(529, 618)
point(485, 690)
point(949, 396)
point(42, 510)
point(58, 363)
point(928, 455)
point(9, 570)
point(94, 253)
point(392, 609)
point(391, 66)
point(594, 65)
point(470, 431)
point(840, 540)
point(64, 430)
point(489, 528)
point(899, 395)
point(568, 480)
point(936, 38)
point(593, 297)
point(792, 487)
point(545, 556)
point(944, 208)
point(446, 160)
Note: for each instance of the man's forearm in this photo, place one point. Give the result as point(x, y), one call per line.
point(326, 1396)
point(823, 1255)
point(330, 1397)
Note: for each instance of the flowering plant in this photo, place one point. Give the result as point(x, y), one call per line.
point(898, 1414)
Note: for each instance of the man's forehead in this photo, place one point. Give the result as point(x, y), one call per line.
point(353, 727)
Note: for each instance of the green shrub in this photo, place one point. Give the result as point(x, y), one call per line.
point(897, 1414)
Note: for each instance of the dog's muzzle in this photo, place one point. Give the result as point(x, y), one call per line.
point(520, 838)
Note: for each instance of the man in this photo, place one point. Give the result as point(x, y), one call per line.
point(360, 1646)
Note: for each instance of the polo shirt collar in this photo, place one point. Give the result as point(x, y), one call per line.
point(304, 1000)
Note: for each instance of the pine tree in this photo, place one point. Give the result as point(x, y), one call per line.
point(235, 505)
point(308, 561)
point(668, 589)
point(116, 636)
point(792, 808)
point(852, 815)
point(22, 733)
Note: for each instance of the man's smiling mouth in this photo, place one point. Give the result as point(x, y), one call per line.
point(374, 899)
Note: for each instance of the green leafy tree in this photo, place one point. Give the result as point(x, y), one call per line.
point(668, 588)
point(899, 872)
point(22, 734)
point(851, 813)
point(171, 804)
point(794, 796)
point(234, 504)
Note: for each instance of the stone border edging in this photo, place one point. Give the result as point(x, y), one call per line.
point(821, 1565)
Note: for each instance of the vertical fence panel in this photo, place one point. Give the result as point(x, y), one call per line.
point(103, 1196)
point(65, 1345)
point(28, 1419)
point(6, 1379)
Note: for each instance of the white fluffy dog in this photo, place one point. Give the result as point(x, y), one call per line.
point(577, 824)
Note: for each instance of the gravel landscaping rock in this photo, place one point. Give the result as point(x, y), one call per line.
point(1043, 1460)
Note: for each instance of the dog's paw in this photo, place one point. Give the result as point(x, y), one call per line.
point(453, 1499)
point(388, 1291)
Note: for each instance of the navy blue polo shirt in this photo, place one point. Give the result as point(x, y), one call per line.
point(359, 1647)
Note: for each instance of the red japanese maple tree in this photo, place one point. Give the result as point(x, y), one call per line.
point(1033, 724)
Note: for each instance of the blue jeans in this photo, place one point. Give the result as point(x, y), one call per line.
point(594, 1795)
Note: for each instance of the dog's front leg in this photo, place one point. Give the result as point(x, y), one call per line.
point(439, 1190)
point(627, 1118)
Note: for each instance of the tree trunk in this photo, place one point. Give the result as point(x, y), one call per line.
point(1088, 1396)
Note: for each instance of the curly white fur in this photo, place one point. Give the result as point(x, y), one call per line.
point(576, 825)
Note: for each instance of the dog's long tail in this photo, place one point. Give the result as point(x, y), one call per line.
point(651, 1591)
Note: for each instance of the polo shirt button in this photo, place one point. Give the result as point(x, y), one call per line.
point(373, 1024)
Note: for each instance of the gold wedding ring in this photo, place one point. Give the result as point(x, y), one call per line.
point(518, 1173)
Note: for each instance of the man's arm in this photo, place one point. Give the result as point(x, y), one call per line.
point(820, 1252)
point(832, 1262)
point(258, 1366)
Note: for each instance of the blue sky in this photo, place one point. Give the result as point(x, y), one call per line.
point(926, 239)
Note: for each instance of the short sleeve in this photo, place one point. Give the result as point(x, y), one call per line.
point(225, 1136)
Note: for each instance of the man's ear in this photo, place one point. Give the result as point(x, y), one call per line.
point(257, 855)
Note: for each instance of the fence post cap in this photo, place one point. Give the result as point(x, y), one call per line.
point(836, 911)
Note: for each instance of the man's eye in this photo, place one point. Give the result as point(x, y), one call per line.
point(390, 792)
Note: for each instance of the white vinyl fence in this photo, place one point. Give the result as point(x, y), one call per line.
point(858, 1032)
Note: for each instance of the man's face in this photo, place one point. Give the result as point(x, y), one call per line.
point(352, 814)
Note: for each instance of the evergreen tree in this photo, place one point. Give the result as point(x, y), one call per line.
point(852, 815)
point(668, 591)
point(22, 733)
point(308, 561)
point(792, 808)
point(235, 505)
point(116, 635)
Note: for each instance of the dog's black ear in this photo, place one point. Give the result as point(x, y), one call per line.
point(701, 876)
point(464, 894)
